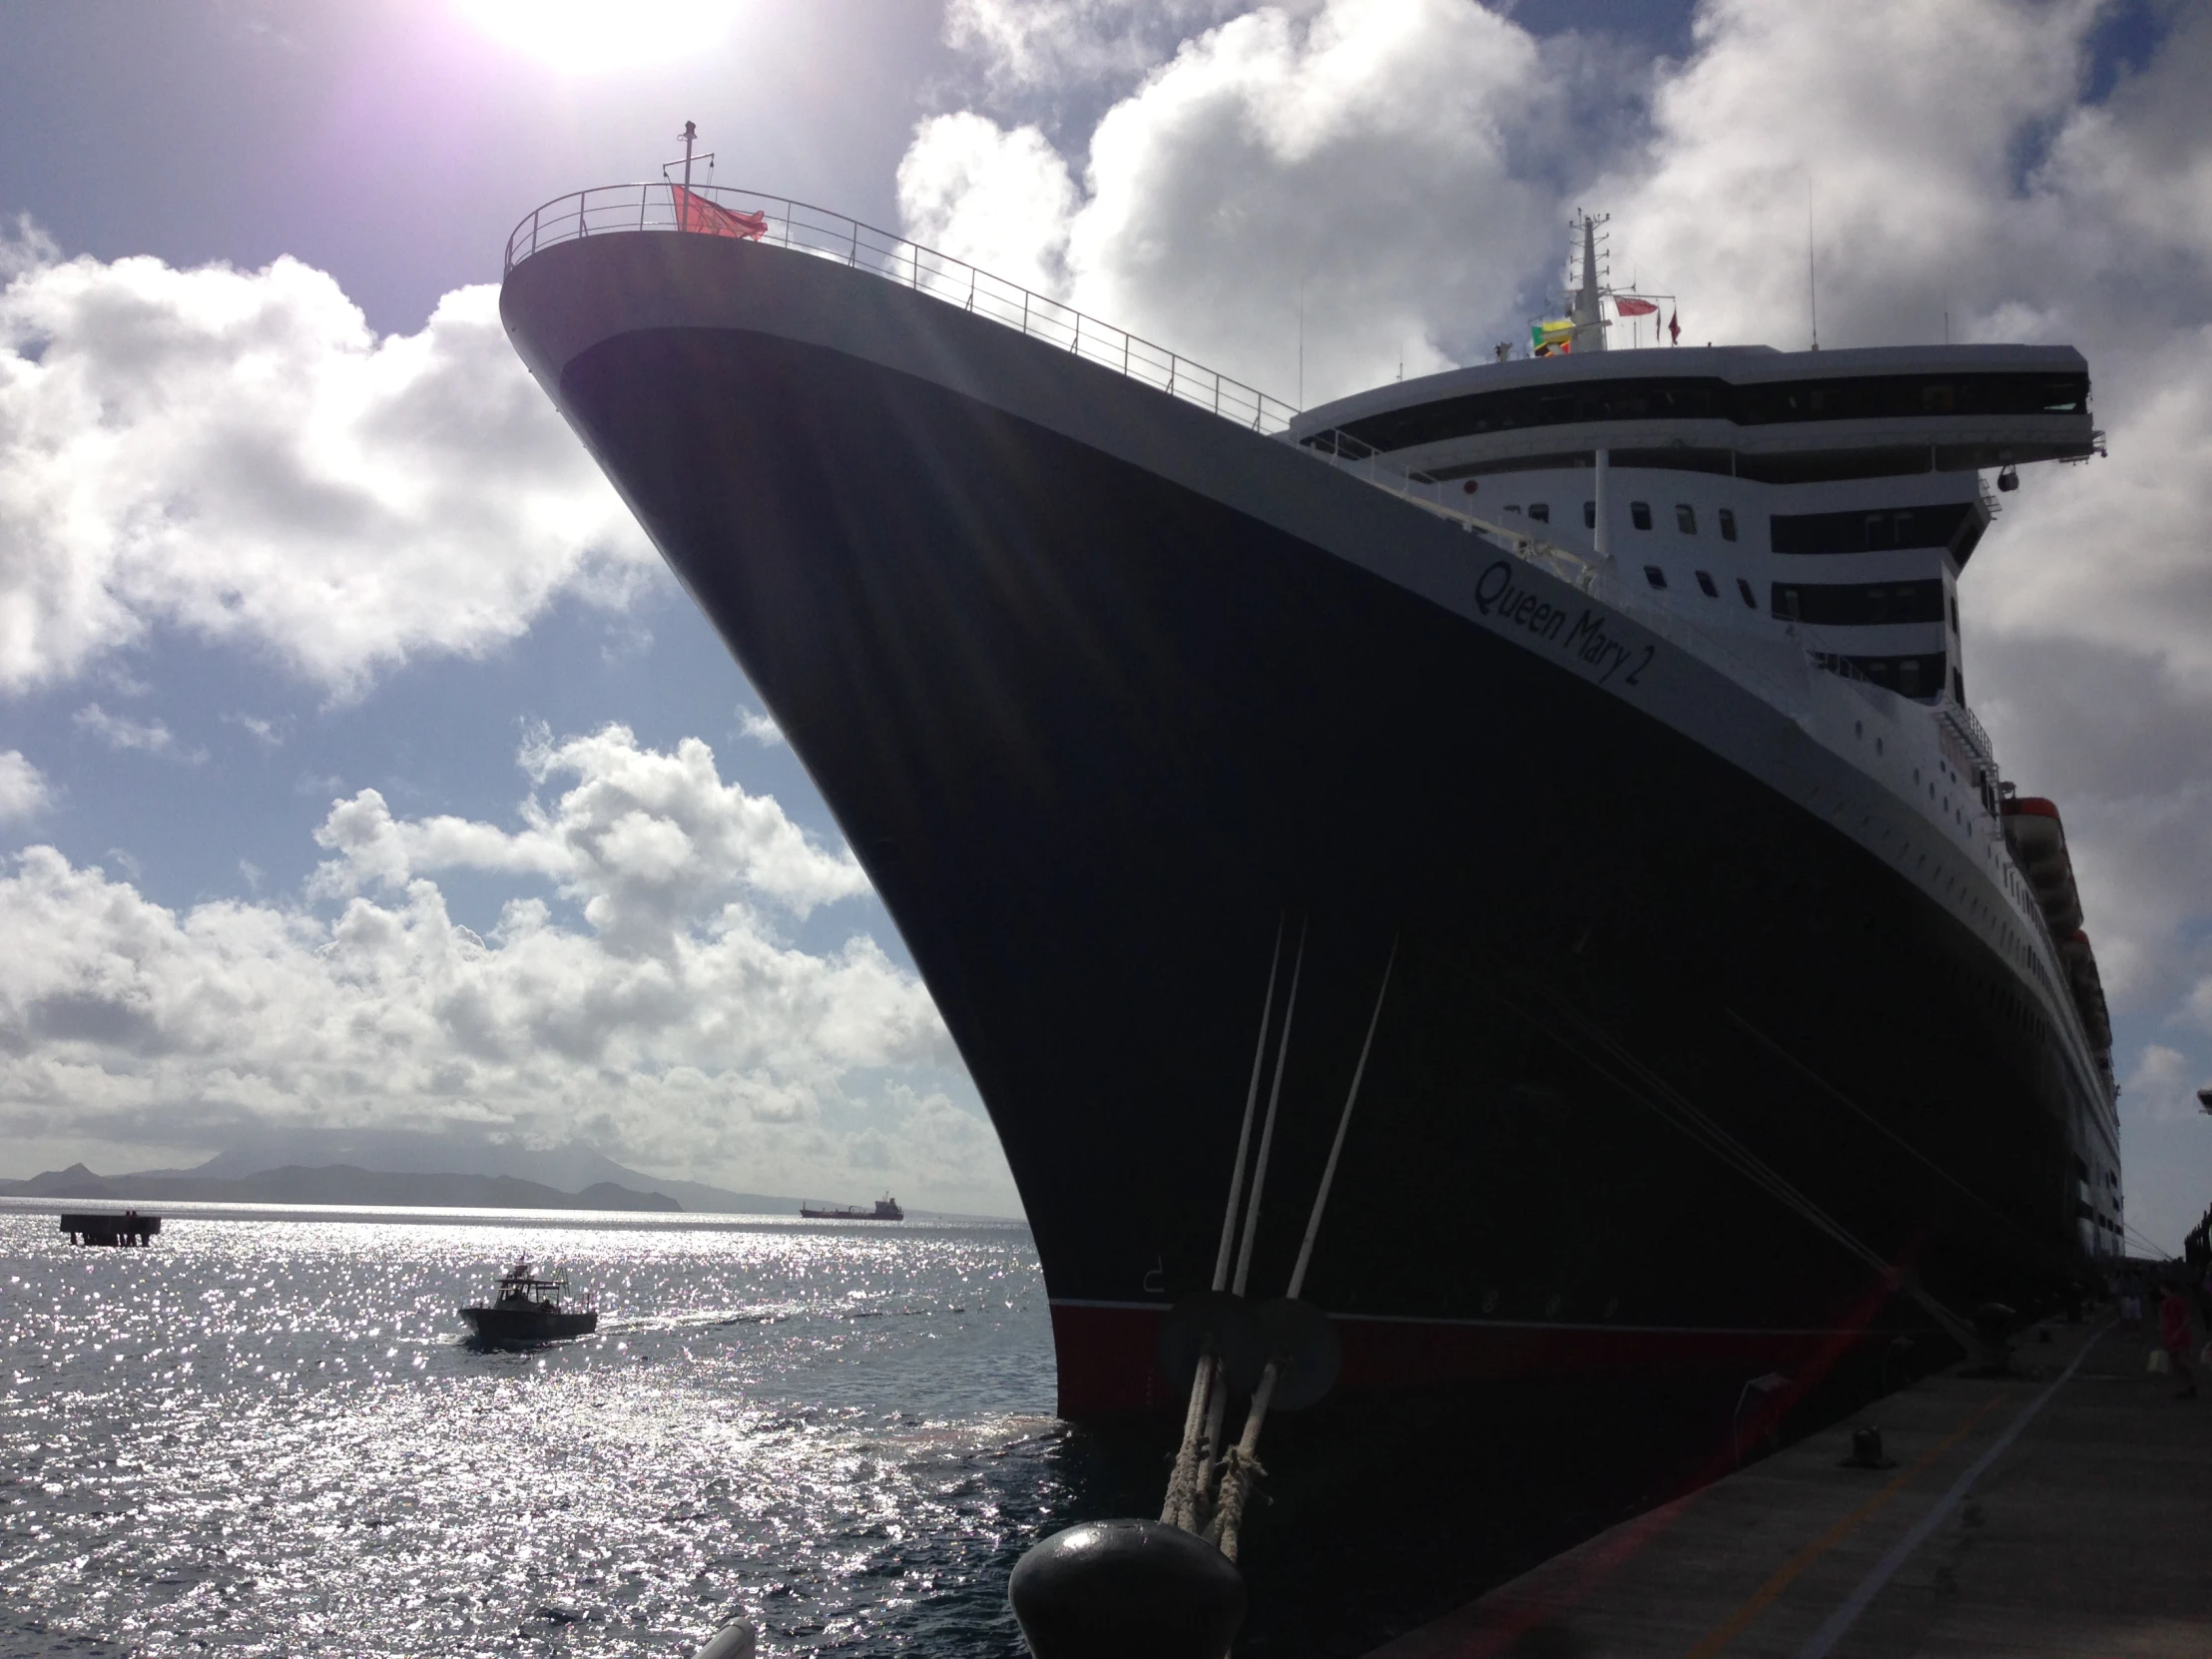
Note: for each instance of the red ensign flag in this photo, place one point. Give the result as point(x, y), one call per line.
point(1628, 306)
point(695, 212)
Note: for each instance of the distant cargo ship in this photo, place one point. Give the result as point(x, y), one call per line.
point(1741, 1015)
point(886, 1209)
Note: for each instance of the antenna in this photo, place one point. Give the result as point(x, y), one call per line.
point(1812, 270)
point(1301, 343)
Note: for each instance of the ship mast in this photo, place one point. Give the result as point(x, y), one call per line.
point(1585, 314)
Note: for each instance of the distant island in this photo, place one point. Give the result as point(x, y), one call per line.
point(337, 1185)
point(412, 1170)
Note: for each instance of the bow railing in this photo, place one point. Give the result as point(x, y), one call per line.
point(805, 229)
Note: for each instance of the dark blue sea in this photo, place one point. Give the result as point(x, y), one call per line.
point(268, 1435)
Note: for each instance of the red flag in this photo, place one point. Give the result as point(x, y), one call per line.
point(1629, 306)
point(1674, 328)
point(695, 212)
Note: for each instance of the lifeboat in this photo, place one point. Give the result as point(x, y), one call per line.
point(2037, 838)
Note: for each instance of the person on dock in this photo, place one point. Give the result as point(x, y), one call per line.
point(2173, 1322)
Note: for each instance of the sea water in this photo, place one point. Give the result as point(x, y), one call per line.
point(270, 1436)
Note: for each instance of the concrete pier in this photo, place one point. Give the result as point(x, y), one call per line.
point(2066, 1509)
point(106, 1227)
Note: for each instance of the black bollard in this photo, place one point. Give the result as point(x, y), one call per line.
point(1866, 1452)
point(1127, 1589)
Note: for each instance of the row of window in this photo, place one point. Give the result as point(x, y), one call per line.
point(1860, 604)
point(1919, 675)
point(1852, 397)
point(1866, 604)
point(1657, 577)
point(1953, 525)
point(1639, 514)
point(1862, 532)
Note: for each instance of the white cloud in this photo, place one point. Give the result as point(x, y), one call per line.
point(1000, 200)
point(642, 841)
point(1056, 44)
point(758, 728)
point(24, 791)
point(263, 732)
point(120, 732)
point(235, 454)
point(674, 1028)
point(1381, 165)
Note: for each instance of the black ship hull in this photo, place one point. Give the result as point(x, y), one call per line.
point(1097, 725)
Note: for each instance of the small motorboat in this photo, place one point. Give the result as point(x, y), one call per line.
point(529, 1309)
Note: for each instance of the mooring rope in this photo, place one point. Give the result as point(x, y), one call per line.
point(1184, 1485)
point(1241, 1468)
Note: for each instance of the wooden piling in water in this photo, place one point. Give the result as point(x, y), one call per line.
point(130, 1229)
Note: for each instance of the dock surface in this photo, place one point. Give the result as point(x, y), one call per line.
point(2066, 1509)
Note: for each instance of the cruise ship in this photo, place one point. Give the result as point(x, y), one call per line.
point(1739, 1015)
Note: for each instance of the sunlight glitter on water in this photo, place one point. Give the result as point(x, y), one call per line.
point(270, 1436)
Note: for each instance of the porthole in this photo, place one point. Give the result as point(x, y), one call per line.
point(1655, 575)
point(1706, 586)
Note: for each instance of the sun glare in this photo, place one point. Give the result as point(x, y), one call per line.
point(580, 37)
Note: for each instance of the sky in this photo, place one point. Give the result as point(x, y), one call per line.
point(362, 768)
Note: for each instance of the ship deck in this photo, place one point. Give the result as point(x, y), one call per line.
point(2063, 1510)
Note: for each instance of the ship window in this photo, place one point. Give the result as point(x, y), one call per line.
point(1786, 603)
point(1909, 676)
point(1639, 514)
point(1953, 526)
point(1514, 507)
point(1953, 601)
point(1705, 585)
point(1743, 587)
point(1958, 687)
point(1728, 524)
point(1589, 515)
point(1866, 604)
point(1685, 518)
point(1541, 511)
point(1655, 575)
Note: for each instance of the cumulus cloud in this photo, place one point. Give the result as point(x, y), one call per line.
point(24, 791)
point(758, 728)
point(642, 839)
point(1000, 200)
point(235, 454)
point(1386, 169)
point(672, 1026)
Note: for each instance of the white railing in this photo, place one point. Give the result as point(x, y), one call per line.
point(613, 209)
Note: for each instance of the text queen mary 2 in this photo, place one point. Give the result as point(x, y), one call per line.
point(1737, 1014)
